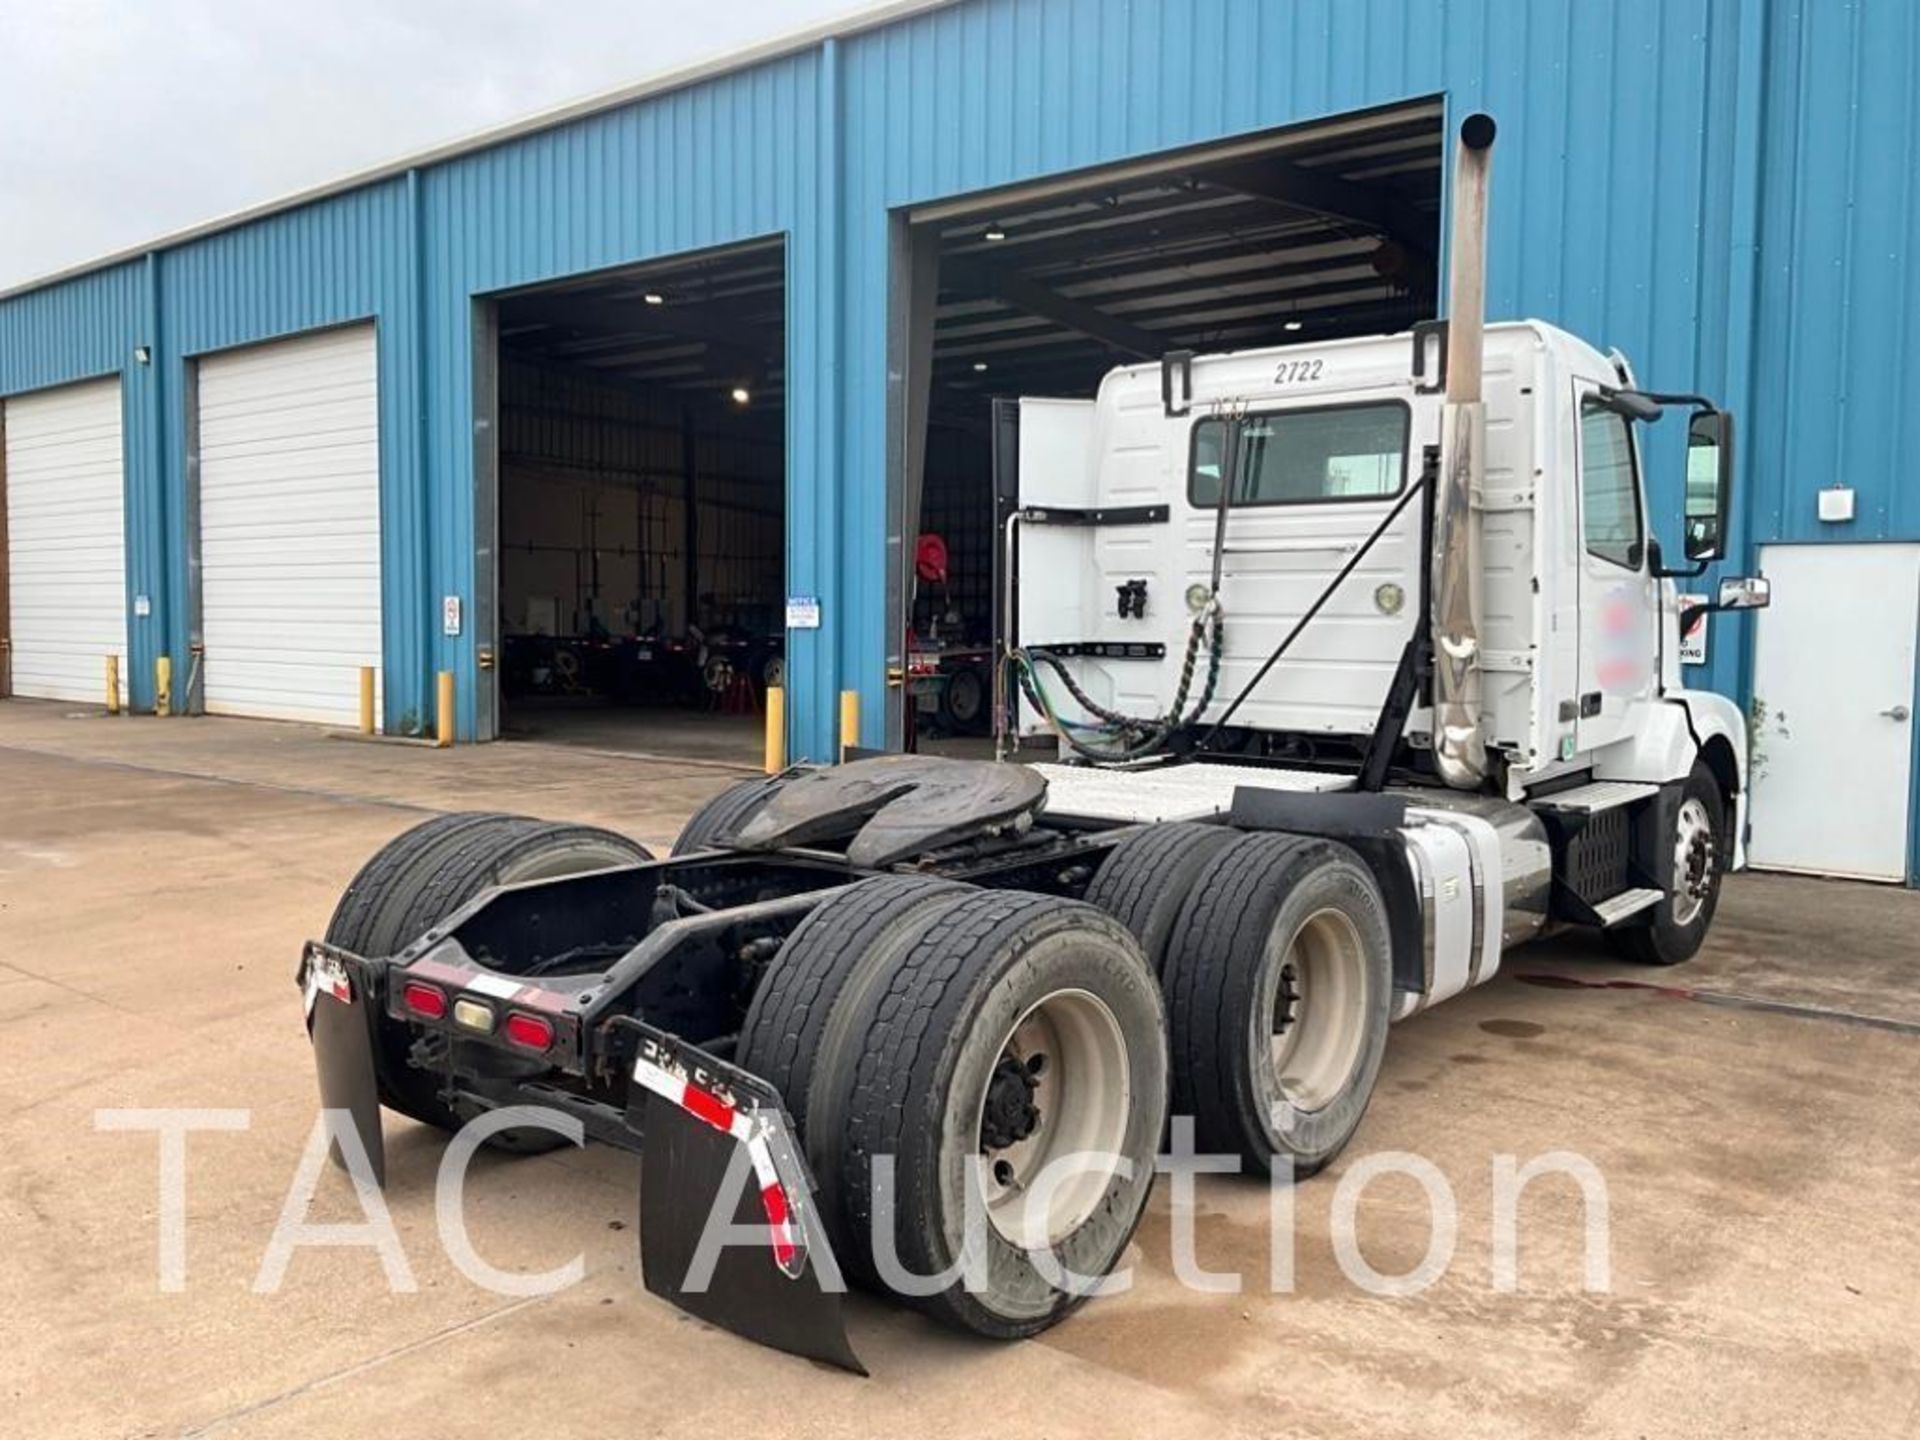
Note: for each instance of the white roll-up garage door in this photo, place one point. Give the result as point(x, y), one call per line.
point(66, 540)
point(289, 485)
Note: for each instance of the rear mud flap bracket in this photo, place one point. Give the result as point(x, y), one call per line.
point(341, 1012)
point(728, 1227)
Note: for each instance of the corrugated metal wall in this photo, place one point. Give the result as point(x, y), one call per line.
point(1722, 188)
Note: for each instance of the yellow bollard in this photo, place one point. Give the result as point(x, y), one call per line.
point(776, 754)
point(445, 716)
point(366, 699)
point(849, 721)
point(163, 685)
point(113, 684)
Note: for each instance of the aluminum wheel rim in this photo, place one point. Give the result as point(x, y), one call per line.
point(1693, 861)
point(1320, 1009)
point(1082, 1093)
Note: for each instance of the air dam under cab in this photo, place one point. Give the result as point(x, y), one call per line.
point(1362, 669)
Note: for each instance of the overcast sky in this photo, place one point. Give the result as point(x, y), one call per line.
point(123, 119)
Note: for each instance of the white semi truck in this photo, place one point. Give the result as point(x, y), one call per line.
point(1358, 664)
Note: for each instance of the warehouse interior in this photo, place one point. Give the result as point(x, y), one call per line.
point(641, 480)
point(1309, 233)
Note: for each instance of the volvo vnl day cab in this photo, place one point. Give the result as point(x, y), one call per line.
point(1359, 666)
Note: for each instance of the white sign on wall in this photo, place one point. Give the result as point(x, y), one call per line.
point(803, 612)
point(1693, 644)
point(450, 615)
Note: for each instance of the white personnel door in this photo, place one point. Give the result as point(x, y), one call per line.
point(66, 540)
point(1833, 671)
point(289, 445)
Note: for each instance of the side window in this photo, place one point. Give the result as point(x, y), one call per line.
point(1609, 496)
point(1209, 455)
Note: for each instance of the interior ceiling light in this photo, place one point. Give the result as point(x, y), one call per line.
point(979, 365)
point(1291, 325)
point(741, 395)
point(993, 232)
point(654, 297)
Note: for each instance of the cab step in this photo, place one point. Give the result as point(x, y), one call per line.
point(1627, 904)
point(1591, 799)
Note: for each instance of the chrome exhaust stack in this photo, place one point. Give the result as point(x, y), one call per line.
point(1459, 748)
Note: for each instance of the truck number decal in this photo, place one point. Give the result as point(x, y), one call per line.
point(1296, 372)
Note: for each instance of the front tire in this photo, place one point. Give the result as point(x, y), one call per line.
point(1697, 836)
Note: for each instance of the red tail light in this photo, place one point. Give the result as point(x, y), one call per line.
point(427, 1001)
point(528, 1031)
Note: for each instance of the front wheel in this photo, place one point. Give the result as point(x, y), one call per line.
point(1696, 834)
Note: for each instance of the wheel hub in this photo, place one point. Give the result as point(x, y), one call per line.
point(1010, 1115)
point(1319, 994)
point(1059, 1090)
point(1694, 858)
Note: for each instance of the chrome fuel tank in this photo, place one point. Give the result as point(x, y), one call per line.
point(1483, 869)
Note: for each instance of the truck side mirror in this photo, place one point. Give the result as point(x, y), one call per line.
point(1746, 592)
point(1709, 483)
point(1742, 592)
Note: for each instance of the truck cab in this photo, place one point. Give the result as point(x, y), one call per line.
point(1324, 444)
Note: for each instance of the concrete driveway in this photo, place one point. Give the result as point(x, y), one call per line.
point(157, 877)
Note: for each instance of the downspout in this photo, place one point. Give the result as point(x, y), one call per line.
point(157, 581)
point(420, 675)
point(817, 714)
point(1459, 748)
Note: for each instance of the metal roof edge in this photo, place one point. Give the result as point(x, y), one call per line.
point(854, 22)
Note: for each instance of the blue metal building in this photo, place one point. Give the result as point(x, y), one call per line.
point(1724, 189)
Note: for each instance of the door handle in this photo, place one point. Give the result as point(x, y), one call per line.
point(1897, 712)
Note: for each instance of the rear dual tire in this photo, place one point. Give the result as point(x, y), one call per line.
point(424, 876)
point(715, 823)
point(1275, 957)
point(1147, 878)
point(976, 1038)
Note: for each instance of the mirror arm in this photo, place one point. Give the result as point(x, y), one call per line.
point(1698, 402)
point(1659, 570)
point(1692, 572)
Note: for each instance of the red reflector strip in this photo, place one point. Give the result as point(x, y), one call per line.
point(710, 1108)
point(782, 1233)
point(780, 1226)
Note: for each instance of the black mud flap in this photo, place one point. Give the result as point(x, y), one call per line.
point(713, 1131)
point(340, 1023)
